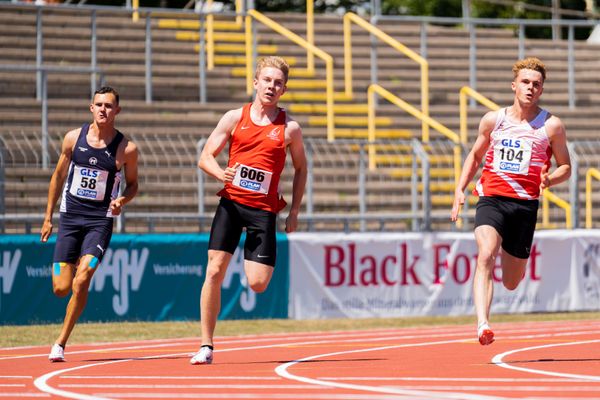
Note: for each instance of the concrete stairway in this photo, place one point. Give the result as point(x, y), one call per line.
point(168, 129)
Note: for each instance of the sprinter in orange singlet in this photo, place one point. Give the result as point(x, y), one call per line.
point(259, 134)
point(517, 144)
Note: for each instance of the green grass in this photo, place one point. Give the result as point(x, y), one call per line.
point(27, 335)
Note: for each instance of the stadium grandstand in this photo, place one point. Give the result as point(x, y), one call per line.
point(389, 106)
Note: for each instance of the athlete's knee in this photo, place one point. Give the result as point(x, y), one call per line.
point(512, 282)
point(486, 259)
point(215, 272)
point(259, 286)
point(60, 289)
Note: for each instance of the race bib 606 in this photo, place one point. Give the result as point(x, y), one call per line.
point(252, 179)
point(88, 183)
point(512, 156)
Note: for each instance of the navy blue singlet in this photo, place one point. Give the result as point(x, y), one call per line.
point(93, 179)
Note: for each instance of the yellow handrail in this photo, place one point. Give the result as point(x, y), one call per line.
point(210, 37)
point(135, 16)
point(425, 119)
point(547, 197)
point(592, 172)
point(300, 42)
point(310, 35)
point(351, 17)
point(466, 91)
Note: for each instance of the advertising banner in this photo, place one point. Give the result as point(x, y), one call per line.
point(150, 277)
point(412, 274)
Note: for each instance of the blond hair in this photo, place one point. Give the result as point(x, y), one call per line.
point(532, 63)
point(274, 62)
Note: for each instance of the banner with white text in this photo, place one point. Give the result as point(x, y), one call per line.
point(150, 277)
point(413, 274)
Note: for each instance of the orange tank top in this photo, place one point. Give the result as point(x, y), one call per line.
point(261, 152)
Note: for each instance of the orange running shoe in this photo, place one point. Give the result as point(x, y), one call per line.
point(485, 334)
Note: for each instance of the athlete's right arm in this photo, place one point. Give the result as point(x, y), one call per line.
point(58, 180)
point(215, 143)
point(473, 161)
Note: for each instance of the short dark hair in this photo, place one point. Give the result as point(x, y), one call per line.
point(107, 89)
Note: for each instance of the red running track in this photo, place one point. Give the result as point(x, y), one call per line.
point(550, 360)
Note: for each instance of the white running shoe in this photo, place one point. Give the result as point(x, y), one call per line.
point(485, 334)
point(57, 353)
point(203, 356)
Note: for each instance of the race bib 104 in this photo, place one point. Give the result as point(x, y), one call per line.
point(252, 179)
point(89, 183)
point(512, 156)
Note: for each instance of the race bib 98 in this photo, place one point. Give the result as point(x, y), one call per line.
point(252, 179)
point(512, 156)
point(89, 183)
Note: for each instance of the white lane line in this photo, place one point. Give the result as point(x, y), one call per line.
point(497, 359)
point(437, 379)
point(16, 377)
point(508, 388)
point(42, 382)
point(23, 394)
point(12, 384)
point(179, 377)
point(282, 371)
point(259, 396)
point(192, 386)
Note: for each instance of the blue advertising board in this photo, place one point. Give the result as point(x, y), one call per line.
point(149, 277)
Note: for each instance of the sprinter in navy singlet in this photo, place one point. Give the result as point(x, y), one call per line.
point(89, 173)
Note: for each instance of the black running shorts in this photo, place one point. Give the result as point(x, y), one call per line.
point(79, 235)
point(229, 221)
point(513, 219)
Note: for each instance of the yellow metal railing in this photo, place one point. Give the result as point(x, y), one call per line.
point(210, 35)
point(465, 92)
point(591, 173)
point(547, 197)
point(300, 42)
point(425, 119)
point(135, 15)
point(210, 31)
point(350, 18)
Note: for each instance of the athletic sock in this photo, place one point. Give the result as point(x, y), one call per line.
point(207, 345)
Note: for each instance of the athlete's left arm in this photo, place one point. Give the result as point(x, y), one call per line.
point(558, 142)
point(293, 134)
point(130, 161)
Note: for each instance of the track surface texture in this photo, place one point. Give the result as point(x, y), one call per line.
point(549, 360)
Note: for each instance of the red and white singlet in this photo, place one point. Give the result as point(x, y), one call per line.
point(514, 160)
point(261, 152)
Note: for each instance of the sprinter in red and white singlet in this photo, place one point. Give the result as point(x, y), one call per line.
point(259, 134)
point(517, 144)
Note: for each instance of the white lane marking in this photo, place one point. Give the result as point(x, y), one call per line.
point(192, 386)
point(12, 384)
point(42, 381)
point(179, 377)
point(507, 388)
point(438, 379)
point(23, 394)
point(282, 371)
point(260, 396)
point(16, 377)
point(497, 359)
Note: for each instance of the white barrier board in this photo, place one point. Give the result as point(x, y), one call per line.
point(335, 275)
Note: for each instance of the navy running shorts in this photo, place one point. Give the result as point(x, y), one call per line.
point(513, 219)
point(80, 235)
point(229, 221)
